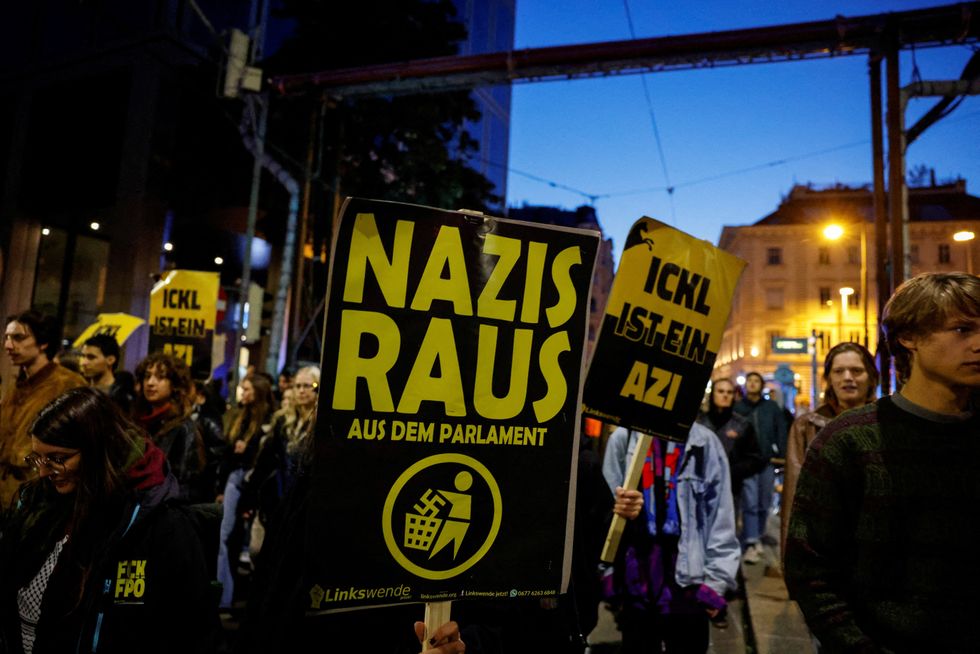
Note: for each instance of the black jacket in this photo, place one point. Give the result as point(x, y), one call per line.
point(180, 439)
point(738, 438)
point(149, 590)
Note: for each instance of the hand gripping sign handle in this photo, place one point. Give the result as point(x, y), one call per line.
point(633, 473)
point(436, 615)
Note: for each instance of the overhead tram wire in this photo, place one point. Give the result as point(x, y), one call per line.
point(594, 197)
point(653, 122)
point(739, 171)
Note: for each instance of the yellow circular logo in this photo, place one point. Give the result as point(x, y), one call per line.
point(442, 515)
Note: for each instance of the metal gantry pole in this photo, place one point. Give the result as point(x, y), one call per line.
point(880, 203)
point(259, 115)
point(258, 109)
point(897, 214)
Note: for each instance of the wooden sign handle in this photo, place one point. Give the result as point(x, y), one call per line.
point(436, 615)
point(633, 472)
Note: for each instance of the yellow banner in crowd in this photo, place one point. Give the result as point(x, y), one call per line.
point(183, 308)
point(664, 322)
point(118, 325)
point(183, 303)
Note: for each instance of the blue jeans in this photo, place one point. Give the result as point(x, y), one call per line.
point(229, 511)
point(757, 493)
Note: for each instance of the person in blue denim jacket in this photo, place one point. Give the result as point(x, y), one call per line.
point(679, 553)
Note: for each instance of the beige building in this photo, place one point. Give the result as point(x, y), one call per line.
point(792, 286)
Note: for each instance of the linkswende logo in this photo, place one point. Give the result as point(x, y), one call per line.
point(442, 516)
point(320, 595)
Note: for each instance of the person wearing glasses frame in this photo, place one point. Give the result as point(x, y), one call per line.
point(97, 554)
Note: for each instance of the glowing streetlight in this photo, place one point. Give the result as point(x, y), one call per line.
point(95, 226)
point(219, 260)
point(168, 247)
point(45, 232)
point(833, 232)
point(966, 237)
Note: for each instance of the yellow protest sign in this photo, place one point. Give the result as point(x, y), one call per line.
point(664, 322)
point(118, 325)
point(183, 306)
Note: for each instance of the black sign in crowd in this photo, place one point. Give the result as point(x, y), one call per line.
point(449, 407)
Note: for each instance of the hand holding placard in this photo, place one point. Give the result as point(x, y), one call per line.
point(633, 473)
point(438, 633)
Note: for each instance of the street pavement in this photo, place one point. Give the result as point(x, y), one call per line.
point(605, 638)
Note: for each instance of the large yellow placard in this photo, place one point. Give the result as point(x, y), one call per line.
point(183, 304)
point(664, 322)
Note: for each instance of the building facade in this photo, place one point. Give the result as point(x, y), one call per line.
point(119, 158)
point(490, 28)
point(800, 284)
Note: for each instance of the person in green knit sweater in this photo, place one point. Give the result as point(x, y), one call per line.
point(882, 547)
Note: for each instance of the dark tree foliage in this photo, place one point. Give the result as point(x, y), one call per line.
point(408, 148)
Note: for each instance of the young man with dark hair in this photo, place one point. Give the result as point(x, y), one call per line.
point(100, 355)
point(881, 552)
point(30, 340)
point(766, 418)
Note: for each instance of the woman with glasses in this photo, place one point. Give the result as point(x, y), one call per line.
point(246, 432)
point(95, 555)
point(281, 454)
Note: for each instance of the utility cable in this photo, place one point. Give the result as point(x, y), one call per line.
point(653, 121)
point(741, 171)
point(702, 180)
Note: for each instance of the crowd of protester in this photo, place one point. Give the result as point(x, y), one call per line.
point(139, 508)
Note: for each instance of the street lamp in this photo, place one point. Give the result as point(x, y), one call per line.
point(833, 232)
point(966, 237)
point(845, 293)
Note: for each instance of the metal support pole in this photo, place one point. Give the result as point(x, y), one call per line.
point(259, 115)
point(882, 278)
point(897, 207)
point(299, 293)
point(864, 279)
point(840, 319)
point(814, 396)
